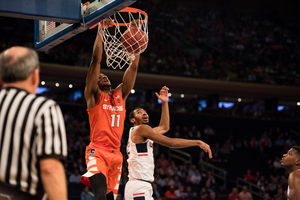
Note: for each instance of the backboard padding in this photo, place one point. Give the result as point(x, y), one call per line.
point(65, 11)
point(91, 15)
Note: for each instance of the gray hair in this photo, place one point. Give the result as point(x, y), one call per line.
point(19, 70)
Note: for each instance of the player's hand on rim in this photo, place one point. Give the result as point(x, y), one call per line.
point(206, 148)
point(135, 23)
point(104, 24)
point(163, 94)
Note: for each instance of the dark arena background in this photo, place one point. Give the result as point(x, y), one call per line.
point(233, 69)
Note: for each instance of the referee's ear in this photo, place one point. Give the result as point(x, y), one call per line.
point(35, 79)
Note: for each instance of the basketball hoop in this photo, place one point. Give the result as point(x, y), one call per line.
point(126, 37)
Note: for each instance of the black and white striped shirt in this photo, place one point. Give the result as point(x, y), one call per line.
point(31, 128)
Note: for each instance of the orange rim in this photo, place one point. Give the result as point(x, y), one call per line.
point(86, 4)
point(127, 9)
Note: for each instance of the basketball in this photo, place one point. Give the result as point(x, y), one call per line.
point(135, 40)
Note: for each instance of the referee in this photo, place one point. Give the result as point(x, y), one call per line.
point(32, 133)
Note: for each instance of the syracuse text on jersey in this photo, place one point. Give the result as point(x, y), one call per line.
point(112, 108)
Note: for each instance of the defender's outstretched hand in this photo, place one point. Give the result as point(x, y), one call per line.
point(163, 94)
point(206, 148)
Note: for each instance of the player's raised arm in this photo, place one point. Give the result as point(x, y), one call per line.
point(164, 124)
point(130, 74)
point(94, 69)
point(147, 132)
point(129, 78)
point(92, 91)
point(294, 185)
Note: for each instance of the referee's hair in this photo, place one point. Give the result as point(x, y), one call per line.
point(297, 148)
point(20, 69)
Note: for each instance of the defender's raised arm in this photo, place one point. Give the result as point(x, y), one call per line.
point(164, 124)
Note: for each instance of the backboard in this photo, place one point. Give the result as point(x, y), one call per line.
point(48, 34)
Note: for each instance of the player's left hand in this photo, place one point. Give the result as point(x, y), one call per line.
point(206, 148)
point(105, 23)
point(163, 94)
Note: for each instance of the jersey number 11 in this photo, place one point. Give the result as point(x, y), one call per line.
point(113, 119)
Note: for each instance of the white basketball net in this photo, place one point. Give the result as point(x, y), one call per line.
point(118, 56)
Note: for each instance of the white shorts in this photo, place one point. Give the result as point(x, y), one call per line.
point(138, 190)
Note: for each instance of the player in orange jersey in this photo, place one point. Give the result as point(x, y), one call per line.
point(106, 110)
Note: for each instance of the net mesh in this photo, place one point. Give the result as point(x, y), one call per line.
point(126, 38)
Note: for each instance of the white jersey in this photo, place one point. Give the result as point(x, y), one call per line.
point(140, 159)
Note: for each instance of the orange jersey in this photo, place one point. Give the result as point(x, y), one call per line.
point(107, 120)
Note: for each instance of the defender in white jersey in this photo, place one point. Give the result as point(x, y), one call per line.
point(140, 149)
point(291, 162)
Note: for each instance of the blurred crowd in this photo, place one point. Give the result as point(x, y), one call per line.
point(251, 108)
point(253, 156)
point(223, 46)
point(259, 109)
point(185, 40)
